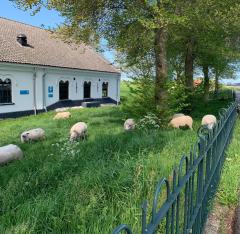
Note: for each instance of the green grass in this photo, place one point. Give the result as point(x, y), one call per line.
point(124, 89)
point(228, 193)
point(227, 198)
point(90, 186)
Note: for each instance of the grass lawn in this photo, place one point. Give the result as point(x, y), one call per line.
point(90, 186)
point(228, 193)
point(227, 198)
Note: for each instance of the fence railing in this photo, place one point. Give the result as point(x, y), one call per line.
point(193, 183)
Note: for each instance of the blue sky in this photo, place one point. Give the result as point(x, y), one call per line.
point(44, 17)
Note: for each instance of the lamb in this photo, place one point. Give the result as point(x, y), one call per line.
point(9, 153)
point(62, 115)
point(33, 135)
point(209, 121)
point(177, 115)
point(78, 131)
point(182, 121)
point(129, 124)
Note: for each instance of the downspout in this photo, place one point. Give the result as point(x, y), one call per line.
point(43, 90)
point(117, 91)
point(34, 91)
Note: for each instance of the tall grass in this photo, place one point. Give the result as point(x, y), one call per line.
point(90, 186)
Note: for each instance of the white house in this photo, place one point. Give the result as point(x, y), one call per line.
point(39, 72)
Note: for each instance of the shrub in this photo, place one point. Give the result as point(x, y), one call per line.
point(140, 100)
point(178, 97)
point(149, 121)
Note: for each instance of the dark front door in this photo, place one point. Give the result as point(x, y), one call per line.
point(87, 90)
point(63, 90)
point(104, 89)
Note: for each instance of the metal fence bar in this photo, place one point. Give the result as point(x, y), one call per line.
point(193, 188)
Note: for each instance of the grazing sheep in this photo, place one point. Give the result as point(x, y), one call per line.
point(9, 153)
point(78, 131)
point(129, 124)
point(62, 115)
point(177, 115)
point(181, 121)
point(33, 135)
point(209, 121)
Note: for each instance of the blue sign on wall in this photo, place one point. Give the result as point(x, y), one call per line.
point(24, 92)
point(50, 89)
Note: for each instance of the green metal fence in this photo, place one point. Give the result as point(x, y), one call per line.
point(193, 183)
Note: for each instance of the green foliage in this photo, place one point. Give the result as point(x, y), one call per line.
point(178, 97)
point(140, 101)
point(223, 94)
point(149, 121)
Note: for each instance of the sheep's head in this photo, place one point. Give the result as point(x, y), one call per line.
point(210, 125)
point(129, 124)
point(24, 137)
point(73, 136)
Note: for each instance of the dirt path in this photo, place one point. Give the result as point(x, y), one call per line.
point(237, 221)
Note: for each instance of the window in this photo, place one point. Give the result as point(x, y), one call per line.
point(104, 89)
point(63, 90)
point(87, 89)
point(5, 91)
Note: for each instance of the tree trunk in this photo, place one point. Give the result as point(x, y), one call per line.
point(216, 88)
point(206, 84)
point(189, 59)
point(161, 71)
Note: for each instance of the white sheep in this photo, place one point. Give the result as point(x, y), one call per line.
point(33, 135)
point(9, 153)
point(177, 115)
point(78, 131)
point(129, 124)
point(209, 121)
point(181, 121)
point(62, 115)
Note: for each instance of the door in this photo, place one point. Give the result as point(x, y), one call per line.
point(105, 89)
point(87, 90)
point(63, 90)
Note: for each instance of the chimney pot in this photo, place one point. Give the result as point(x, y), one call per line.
point(22, 39)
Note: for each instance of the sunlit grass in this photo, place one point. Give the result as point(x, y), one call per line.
point(99, 185)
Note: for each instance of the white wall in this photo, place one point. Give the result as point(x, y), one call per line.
point(22, 78)
point(20, 81)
